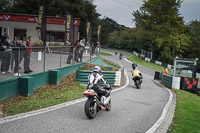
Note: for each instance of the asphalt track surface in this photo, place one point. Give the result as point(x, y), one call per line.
point(133, 111)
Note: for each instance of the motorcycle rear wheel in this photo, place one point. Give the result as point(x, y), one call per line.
point(90, 109)
point(138, 85)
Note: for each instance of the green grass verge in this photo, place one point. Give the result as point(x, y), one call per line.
point(142, 62)
point(110, 63)
point(105, 54)
point(46, 96)
point(187, 114)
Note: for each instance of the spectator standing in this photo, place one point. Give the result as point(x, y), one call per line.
point(22, 50)
point(12, 45)
point(5, 54)
point(94, 47)
point(82, 47)
point(165, 71)
point(77, 51)
point(71, 51)
point(1, 49)
point(16, 54)
point(27, 56)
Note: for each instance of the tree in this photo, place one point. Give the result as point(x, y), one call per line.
point(4, 5)
point(109, 26)
point(193, 49)
point(163, 28)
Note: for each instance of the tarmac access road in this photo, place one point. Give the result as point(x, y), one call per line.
point(133, 111)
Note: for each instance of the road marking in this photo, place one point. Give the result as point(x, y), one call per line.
point(52, 108)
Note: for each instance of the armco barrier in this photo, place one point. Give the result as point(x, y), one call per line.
point(82, 76)
point(69, 69)
point(100, 62)
point(167, 80)
point(40, 79)
point(8, 88)
point(25, 85)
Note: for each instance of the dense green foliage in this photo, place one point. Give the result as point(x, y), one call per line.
point(109, 26)
point(163, 28)
point(193, 50)
point(4, 5)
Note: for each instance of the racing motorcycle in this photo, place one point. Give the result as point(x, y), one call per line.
point(94, 103)
point(120, 57)
point(138, 81)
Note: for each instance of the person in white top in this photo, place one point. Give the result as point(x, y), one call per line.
point(94, 83)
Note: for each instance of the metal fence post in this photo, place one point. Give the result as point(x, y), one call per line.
point(60, 56)
point(18, 62)
point(44, 65)
point(90, 53)
point(99, 51)
point(174, 69)
point(72, 56)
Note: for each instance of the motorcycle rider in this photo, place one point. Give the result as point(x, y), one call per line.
point(137, 73)
point(120, 56)
point(93, 83)
point(134, 65)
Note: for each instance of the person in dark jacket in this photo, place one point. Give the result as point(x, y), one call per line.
point(81, 48)
point(1, 49)
point(71, 52)
point(94, 47)
point(27, 56)
point(12, 45)
point(5, 54)
point(16, 54)
point(77, 51)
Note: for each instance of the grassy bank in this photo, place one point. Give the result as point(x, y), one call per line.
point(187, 113)
point(141, 62)
point(144, 63)
point(46, 96)
point(110, 63)
point(105, 54)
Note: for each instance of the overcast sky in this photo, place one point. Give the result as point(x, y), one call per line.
point(121, 10)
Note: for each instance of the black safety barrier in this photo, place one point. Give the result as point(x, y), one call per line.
point(157, 75)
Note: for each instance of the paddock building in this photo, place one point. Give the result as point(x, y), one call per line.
point(21, 26)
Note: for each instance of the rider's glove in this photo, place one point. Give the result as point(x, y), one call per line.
point(90, 86)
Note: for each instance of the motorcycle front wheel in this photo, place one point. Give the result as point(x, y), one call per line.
point(108, 106)
point(90, 108)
